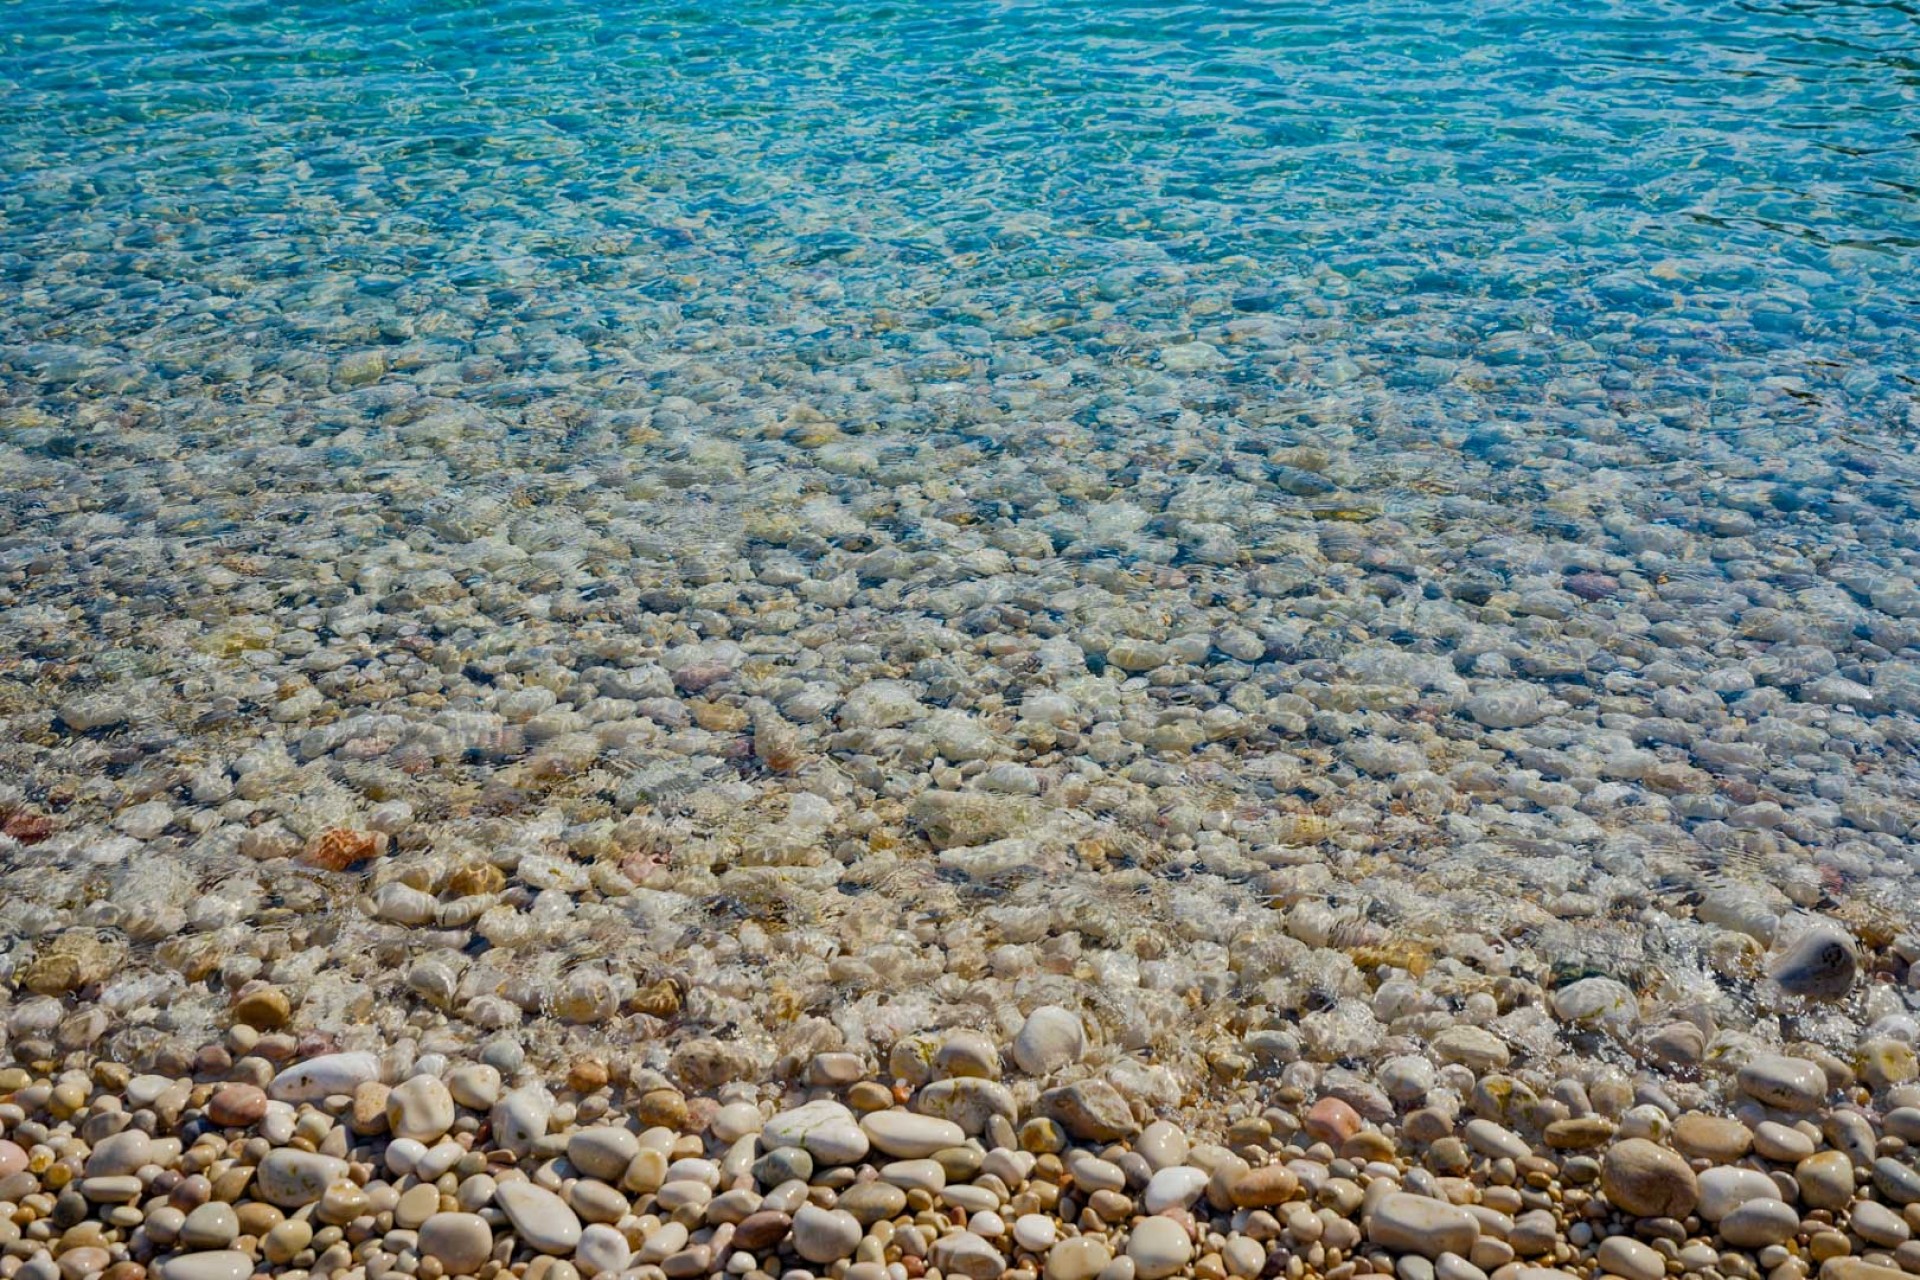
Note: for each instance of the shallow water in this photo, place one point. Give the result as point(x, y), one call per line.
point(1486, 435)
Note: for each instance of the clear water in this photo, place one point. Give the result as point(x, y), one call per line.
point(1143, 296)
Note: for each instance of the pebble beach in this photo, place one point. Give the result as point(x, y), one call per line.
point(1043, 641)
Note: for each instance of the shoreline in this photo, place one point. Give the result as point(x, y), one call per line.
point(960, 1156)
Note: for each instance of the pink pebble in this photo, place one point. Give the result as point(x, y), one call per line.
point(1332, 1121)
point(12, 1158)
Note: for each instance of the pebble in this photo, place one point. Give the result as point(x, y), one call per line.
point(1649, 1180)
point(460, 1242)
point(824, 1235)
point(1630, 1259)
point(291, 1178)
point(324, 1076)
point(1415, 1224)
point(1791, 1084)
point(1821, 963)
point(420, 1108)
point(219, 1264)
point(1051, 1038)
point(908, 1136)
point(540, 1218)
point(1158, 1247)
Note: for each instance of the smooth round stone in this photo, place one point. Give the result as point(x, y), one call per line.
point(325, 1076)
point(968, 1053)
point(290, 1178)
point(1781, 1142)
point(1759, 1223)
point(1175, 1187)
point(1035, 1232)
point(460, 1242)
point(420, 1108)
point(416, 1205)
point(1898, 1182)
point(1495, 1141)
point(475, 1085)
point(1725, 1188)
point(735, 1121)
point(603, 1151)
point(1714, 1138)
point(1051, 1038)
point(1162, 1145)
point(910, 1175)
point(602, 1251)
point(1647, 1180)
point(540, 1218)
point(1626, 1257)
point(825, 1129)
point(1877, 1224)
point(987, 1224)
point(871, 1201)
point(236, 1106)
point(218, 1264)
point(1407, 1223)
point(1331, 1121)
point(1264, 1187)
point(211, 1226)
point(1825, 1180)
point(1158, 1247)
point(1597, 1002)
point(13, 1158)
point(1820, 964)
point(908, 1136)
point(1791, 1084)
point(824, 1236)
point(1243, 1258)
point(1079, 1258)
point(122, 1153)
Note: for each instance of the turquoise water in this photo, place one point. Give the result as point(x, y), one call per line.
point(1466, 447)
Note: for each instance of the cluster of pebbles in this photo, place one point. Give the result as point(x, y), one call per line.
point(935, 1166)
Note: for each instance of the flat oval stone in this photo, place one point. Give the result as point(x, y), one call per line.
point(1626, 1257)
point(1898, 1182)
point(461, 1242)
point(216, 1264)
point(1791, 1084)
point(1175, 1187)
point(1406, 1223)
point(869, 1202)
point(1781, 1142)
point(123, 1152)
point(324, 1076)
point(540, 1218)
point(909, 1175)
point(1714, 1138)
point(603, 1151)
point(211, 1226)
point(1493, 1140)
point(1647, 1180)
point(291, 1178)
point(1759, 1223)
point(1035, 1232)
point(1877, 1224)
point(908, 1136)
point(1158, 1247)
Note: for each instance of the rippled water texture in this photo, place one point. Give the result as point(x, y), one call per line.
point(1423, 466)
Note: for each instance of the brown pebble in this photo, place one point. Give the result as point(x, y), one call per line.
point(584, 1075)
point(664, 1107)
point(263, 1008)
point(235, 1106)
